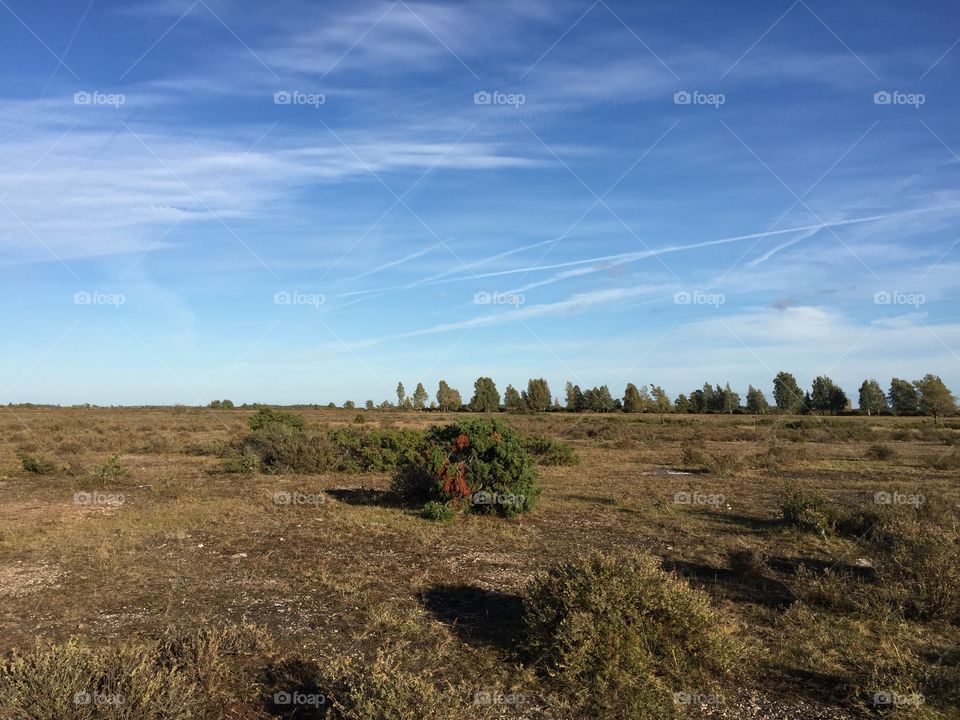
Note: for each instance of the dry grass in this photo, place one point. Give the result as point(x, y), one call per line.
point(168, 541)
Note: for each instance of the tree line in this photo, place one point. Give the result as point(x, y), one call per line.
point(926, 396)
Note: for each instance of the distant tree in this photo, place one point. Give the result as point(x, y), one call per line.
point(903, 397)
point(444, 400)
point(576, 402)
point(826, 396)
point(486, 397)
point(401, 394)
point(215, 404)
point(728, 400)
point(369, 405)
point(556, 405)
point(872, 400)
point(433, 405)
point(349, 405)
point(228, 405)
point(538, 395)
point(935, 397)
point(456, 402)
point(710, 398)
point(599, 399)
point(661, 401)
point(420, 397)
point(512, 400)
point(786, 393)
point(756, 402)
point(332, 406)
point(407, 404)
point(681, 404)
point(698, 403)
point(631, 399)
point(385, 405)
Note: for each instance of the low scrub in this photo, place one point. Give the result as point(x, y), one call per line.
point(479, 466)
point(880, 452)
point(178, 677)
point(806, 510)
point(37, 466)
point(547, 451)
point(621, 638)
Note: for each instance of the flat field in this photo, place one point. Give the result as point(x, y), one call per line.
point(121, 527)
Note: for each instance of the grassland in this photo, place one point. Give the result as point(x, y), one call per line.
point(165, 543)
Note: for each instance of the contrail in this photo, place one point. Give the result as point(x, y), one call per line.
point(621, 258)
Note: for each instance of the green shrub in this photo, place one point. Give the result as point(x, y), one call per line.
point(619, 636)
point(805, 510)
point(266, 416)
point(547, 451)
point(111, 471)
point(281, 448)
point(438, 512)
point(37, 466)
point(480, 464)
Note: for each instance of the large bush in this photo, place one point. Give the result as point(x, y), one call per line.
point(481, 465)
point(622, 638)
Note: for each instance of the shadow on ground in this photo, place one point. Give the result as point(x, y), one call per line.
point(477, 615)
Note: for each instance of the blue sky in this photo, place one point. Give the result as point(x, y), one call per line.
point(307, 202)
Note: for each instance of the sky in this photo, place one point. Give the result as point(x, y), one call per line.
point(301, 202)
